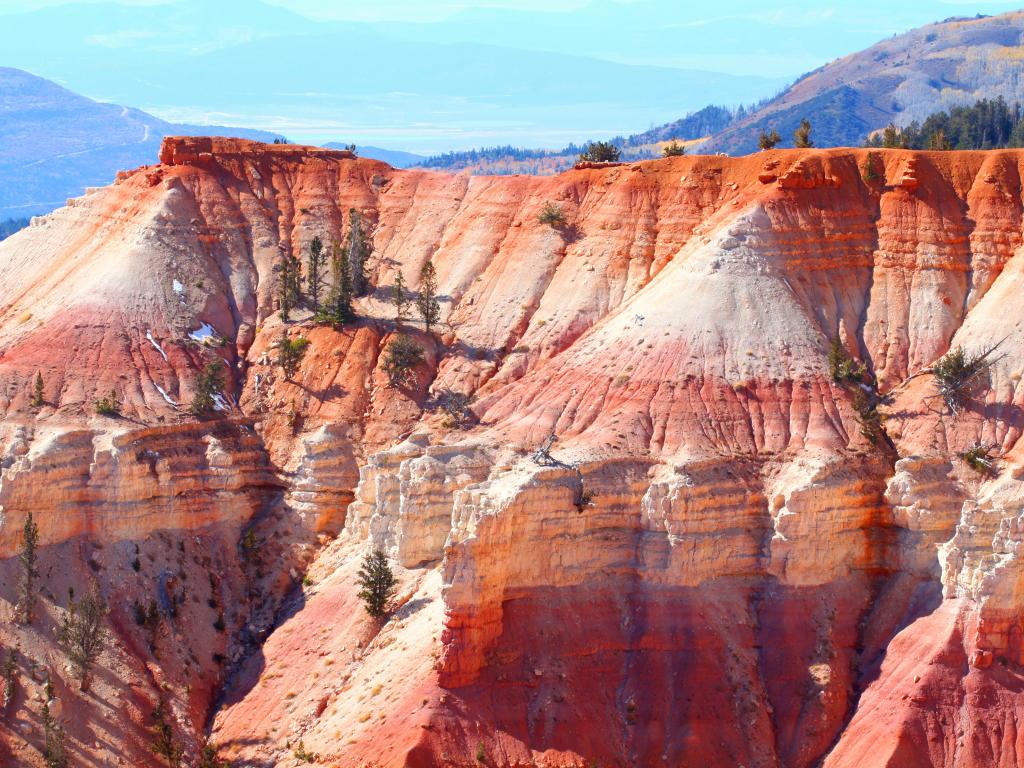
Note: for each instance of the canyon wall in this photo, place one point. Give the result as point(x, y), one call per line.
point(715, 563)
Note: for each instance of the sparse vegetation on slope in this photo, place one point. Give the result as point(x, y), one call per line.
point(959, 373)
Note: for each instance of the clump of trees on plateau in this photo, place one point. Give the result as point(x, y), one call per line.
point(988, 124)
point(600, 152)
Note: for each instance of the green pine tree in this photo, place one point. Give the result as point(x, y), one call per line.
point(377, 583)
point(802, 135)
point(400, 298)
point(358, 252)
point(426, 303)
point(315, 271)
point(289, 289)
point(27, 588)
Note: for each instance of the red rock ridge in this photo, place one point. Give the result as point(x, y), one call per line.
point(752, 583)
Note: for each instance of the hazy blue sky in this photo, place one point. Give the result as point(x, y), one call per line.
point(430, 75)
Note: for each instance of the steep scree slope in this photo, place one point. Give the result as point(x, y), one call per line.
point(717, 567)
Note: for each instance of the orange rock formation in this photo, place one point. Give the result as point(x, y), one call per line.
point(716, 567)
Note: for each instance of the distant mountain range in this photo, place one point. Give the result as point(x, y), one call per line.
point(905, 78)
point(55, 143)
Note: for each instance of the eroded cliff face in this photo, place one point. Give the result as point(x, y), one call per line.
point(713, 565)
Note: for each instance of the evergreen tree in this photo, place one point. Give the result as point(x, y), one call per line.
point(37, 392)
point(358, 252)
point(892, 138)
point(377, 583)
point(208, 383)
point(400, 298)
point(82, 634)
point(289, 289)
point(315, 271)
point(426, 303)
point(802, 135)
point(938, 141)
point(338, 308)
point(768, 140)
point(600, 152)
point(109, 405)
point(675, 149)
point(27, 589)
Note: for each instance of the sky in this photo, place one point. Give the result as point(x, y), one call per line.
point(768, 44)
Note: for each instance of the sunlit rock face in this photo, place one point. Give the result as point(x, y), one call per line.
point(710, 565)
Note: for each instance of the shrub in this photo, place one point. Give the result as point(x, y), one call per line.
point(37, 391)
point(290, 353)
point(402, 356)
point(869, 170)
point(585, 498)
point(552, 215)
point(208, 384)
point(870, 420)
point(456, 406)
point(164, 744)
point(979, 458)
point(108, 406)
point(842, 367)
point(600, 152)
point(301, 753)
point(376, 583)
point(958, 373)
point(768, 140)
point(675, 149)
point(208, 757)
point(10, 680)
point(54, 751)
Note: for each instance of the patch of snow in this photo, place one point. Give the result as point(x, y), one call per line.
point(178, 287)
point(164, 395)
point(204, 335)
point(149, 335)
point(220, 403)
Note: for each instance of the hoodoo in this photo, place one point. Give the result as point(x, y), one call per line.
point(670, 481)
